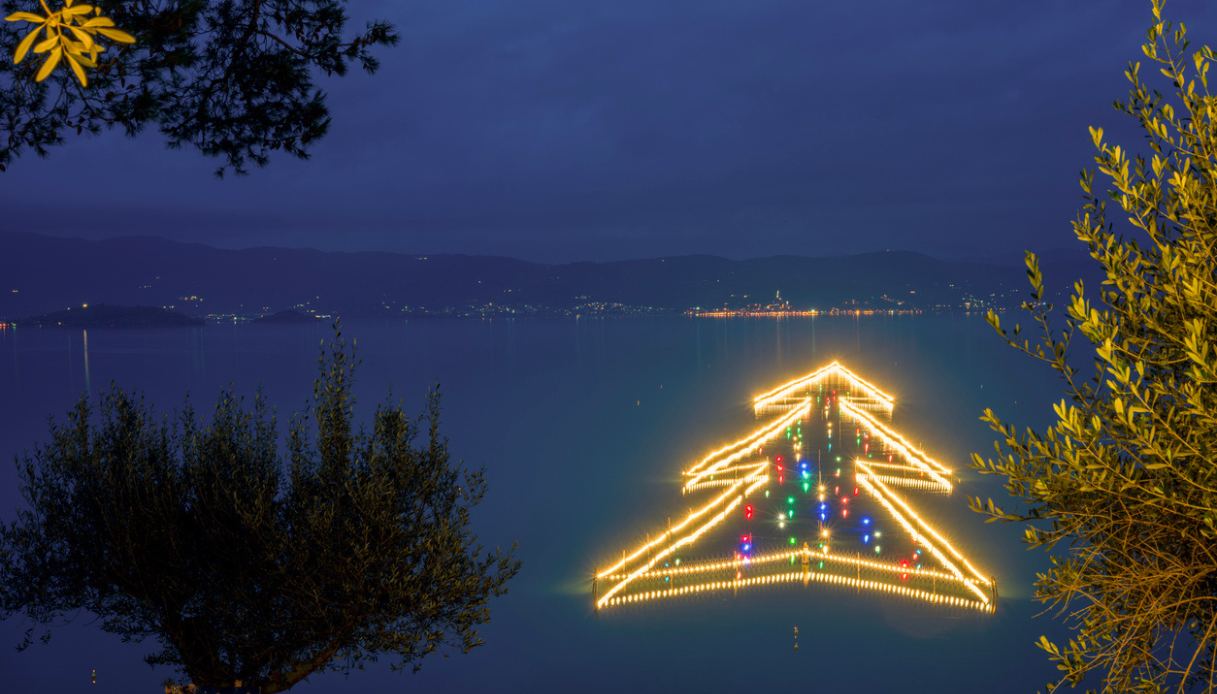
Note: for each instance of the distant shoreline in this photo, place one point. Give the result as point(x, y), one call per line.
point(43, 322)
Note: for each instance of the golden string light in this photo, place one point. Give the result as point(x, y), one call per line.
point(936, 470)
point(734, 469)
point(914, 524)
point(787, 555)
point(783, 391)
point(743, 447)
point(801, 577)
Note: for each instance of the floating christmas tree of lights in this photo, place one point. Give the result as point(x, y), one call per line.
point(804, 515)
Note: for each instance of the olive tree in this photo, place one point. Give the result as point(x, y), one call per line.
point(1123, 483)
point(245, 558)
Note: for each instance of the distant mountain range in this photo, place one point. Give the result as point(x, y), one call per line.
point(40, 274)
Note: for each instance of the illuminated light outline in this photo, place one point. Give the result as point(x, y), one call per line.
point(835, 368)
point(783, 390)
point(866, 385)
point(908, 483)
point(932, 467)
point(687, 539)
point(693, 515)
point(757, 468)
point(719, 463)
point(706, 484)
point(758, 435)
point(886, 496)
point(786, 555)
point(744, 447)
point(804, 577)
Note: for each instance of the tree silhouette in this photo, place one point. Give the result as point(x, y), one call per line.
point(234, 79)
point(248, 561)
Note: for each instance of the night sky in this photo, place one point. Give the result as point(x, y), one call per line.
point(568, 129)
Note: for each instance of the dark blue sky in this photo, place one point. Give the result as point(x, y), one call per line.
point(570, 129)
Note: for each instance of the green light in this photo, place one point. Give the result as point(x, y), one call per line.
point(766, 493)
point(790, 514)
point(792, 540)
point(806, 486)
point(821, 565)
point(790, 501)
point(877, 549)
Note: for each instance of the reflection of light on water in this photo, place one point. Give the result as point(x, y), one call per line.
point(653, 570)
point(88, 380)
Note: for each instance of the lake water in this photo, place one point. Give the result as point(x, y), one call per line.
point(583, 427)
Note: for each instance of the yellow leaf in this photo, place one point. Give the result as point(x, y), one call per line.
point(25, 17)
point(82, 36)
point(48, 44)
point(51, 61)
point(80, 71)
point(1096, 136)
point(72, 11)
point(24, 46)
point(98, 22)
point(116, 35)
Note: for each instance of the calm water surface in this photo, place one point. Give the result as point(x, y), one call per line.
point(583, 427)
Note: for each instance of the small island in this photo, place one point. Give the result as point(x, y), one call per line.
point(106, 316)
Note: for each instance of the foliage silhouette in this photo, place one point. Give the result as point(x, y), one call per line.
point(250, 561)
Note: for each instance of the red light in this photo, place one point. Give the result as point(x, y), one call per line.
point(748, 512)
point(778, 459)
point(855, 491)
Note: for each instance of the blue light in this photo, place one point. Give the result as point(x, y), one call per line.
point(866, 539)
point(865, 521)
